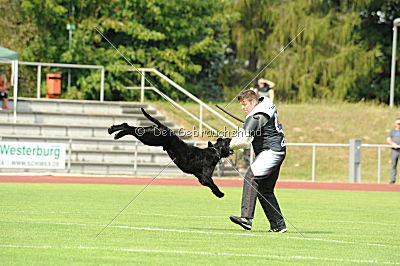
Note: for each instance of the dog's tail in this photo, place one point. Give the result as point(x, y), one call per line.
point(152, 119)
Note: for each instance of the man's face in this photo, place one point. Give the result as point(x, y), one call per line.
point(248, 106)
point(397, 124)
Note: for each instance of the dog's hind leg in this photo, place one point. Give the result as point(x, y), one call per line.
point(115, 128)
point(123, 133)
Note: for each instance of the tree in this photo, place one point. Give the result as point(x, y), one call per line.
point(376, 31)
point(182, 39)
point(16, 33)
point(326, 60)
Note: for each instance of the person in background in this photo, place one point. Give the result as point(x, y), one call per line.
point(264, 88)
point(4, 87)
point(394, 140)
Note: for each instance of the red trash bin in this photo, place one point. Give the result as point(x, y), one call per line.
point(53, 82)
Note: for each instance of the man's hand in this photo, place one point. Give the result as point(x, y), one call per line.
point(395, 146)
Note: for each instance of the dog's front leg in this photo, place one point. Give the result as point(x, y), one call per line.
point(208, 182)
point(216, 190)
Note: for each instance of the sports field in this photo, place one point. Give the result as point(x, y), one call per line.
point(179, 225)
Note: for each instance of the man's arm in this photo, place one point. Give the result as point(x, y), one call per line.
point(394, 145)
point(270, 83)
point(245, 135)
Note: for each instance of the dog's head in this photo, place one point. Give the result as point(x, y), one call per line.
point(222, 146)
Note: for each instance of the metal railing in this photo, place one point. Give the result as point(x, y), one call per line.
point(379, 150)
point(314, 154)
point(39, 73)
point(39, 65)
point(182, 90)
point(70, 140)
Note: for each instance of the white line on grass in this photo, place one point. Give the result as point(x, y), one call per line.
point(204, 253)
point(201, 216)
point(269, 235)
point(225, 217)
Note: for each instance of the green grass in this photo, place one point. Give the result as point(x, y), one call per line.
point(318, 123)
point(56, 224)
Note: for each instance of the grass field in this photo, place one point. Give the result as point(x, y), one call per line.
point(57, 224)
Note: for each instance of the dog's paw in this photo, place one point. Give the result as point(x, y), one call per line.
point(119, 135)
point(219, 194)
point(110, 130)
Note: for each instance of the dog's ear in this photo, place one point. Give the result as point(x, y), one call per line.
point(210, 144)
point(219, 139)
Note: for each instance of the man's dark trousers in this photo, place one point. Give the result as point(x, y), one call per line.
point(265, 186)
point(395, 158)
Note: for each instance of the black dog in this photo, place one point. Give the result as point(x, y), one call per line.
point(190, 159)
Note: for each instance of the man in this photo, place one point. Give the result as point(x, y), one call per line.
point(264, 88)
point(263, 130)
point(394, 140)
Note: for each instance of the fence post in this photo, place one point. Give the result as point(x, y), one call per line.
point(135, 162)
point(379, 164)
point(69, 154)
point(15, 85)
point(142, 83)
point(355, 161)
point(201, 121)
point(314, 149)
point(102, 85)
point(39, 80)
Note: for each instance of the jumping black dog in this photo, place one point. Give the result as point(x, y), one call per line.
point(190, 159)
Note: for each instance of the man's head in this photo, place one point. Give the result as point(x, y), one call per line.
point(397, 123)
point(248, 99)
point(261, 82)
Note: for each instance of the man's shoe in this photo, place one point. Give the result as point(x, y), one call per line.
point(277, 230)
point(243, 222)
point(392, 182)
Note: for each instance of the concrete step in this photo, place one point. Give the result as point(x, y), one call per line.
point(121, 156)
point(82, 126)
point(127, 156)
point(107, 143)
point(75, 119)
point(54, 130)
point(78, 106)
point(135, 110)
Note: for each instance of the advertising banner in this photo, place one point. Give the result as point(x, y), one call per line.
point(32, 155)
